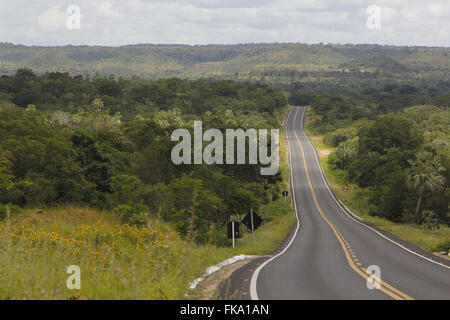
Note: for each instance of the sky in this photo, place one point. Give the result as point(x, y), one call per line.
point(121, 22)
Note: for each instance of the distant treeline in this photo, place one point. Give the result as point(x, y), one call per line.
point(274, 63)
point(341, 103)
point(62, 92)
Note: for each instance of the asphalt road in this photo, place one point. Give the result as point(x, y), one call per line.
point(331, 251)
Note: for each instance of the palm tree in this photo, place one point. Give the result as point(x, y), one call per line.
point(346, 152)
point(425, 176)
point(97, 104)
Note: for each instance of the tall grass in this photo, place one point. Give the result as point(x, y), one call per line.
point(116, 261)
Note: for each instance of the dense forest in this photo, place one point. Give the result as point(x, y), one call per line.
point(106, 142)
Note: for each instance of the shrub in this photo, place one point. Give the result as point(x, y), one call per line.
point(14, 210)
point(429, 219)
point(136, 214)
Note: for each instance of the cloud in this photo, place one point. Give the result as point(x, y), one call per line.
point(52, 19)
point(115, 22)
point(105, 9)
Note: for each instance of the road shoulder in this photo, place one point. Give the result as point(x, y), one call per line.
point(237, 286)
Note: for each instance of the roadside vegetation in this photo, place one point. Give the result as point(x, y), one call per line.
point(396, 167)
point(86, 179)
point(117, 261)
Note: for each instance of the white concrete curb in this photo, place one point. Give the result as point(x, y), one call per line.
point(217, 267)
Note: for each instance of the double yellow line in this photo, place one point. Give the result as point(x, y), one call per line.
point(349, 254)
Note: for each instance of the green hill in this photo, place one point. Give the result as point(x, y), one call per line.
point(280, 62)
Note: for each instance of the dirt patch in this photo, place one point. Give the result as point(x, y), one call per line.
point(445, 256)
point(314, 138)
point(208, 287)
point(324, 153)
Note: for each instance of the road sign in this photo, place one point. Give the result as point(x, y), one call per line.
point(257, 220)
point(230, 230)
point(285, 193)
point(345, 188)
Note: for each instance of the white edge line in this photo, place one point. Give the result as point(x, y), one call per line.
point(352, 216)
point(253, 292)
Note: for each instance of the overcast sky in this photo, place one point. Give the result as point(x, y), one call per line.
point(120, 22)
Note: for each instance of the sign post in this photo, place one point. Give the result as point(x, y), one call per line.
point(252, 221)
point(232, 231)
point(253, 228)
point(285, 195)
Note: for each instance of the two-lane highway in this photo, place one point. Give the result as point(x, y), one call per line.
point(328, 256)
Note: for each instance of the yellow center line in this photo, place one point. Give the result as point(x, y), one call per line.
point(385, 287)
